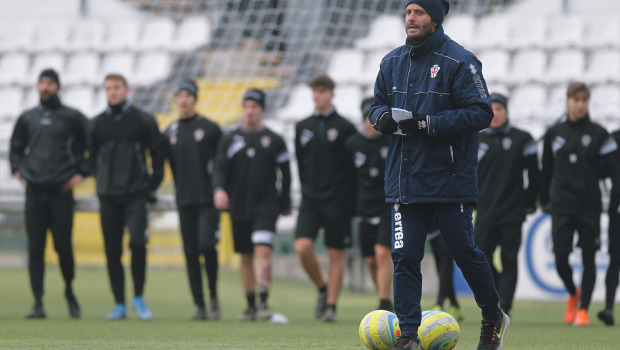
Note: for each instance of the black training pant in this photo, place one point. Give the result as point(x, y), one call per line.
point(49, 209)
point(116, 213)
point(613, 272)
point(199, 229)
point(508, 237)
point(445, 269)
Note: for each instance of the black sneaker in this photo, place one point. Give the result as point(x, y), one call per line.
point(407, 342)
point(607, 316)
point(74, 307)
point(36, 312)
point(386, 305)
point(492, 333)
point(201, 314)
point(248, 315)
point(216, 311)
point(321, 305)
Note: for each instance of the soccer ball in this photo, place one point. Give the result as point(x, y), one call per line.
point(379, 330)
point(438, 331)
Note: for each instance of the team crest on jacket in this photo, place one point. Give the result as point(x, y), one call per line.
point(585, 140)
point(265, 141)
point(332, 134)
point(435, 71)
point(251, 152)
point(507, 142)
point(199, 134)
point(384, 152)
point(173, 139)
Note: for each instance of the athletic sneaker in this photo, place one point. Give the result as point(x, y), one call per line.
point(216, 312)
point(263, 313)
point(321, 304)
point(119, 313)
point(571, 307)
point(607, 316)
point(200, 315)
point(386, 305)
point(248, 315)
point(74, 307)
point(330, 315)
point(143, 312)
point(36, 312)
point(457, 313)
point(492, 333)
point(582, 318)
point(407, 342)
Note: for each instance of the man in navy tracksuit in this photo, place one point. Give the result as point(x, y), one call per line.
point(431, 168)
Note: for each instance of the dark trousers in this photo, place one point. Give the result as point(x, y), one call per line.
point(199, 229)
point(49, 209)
point(445, 270)
point(588, 226)
point(508, 237)
point(116, 213)
point(410, 224)
point(613, 271)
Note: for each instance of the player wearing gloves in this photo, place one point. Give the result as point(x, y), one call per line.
point(431, 168)
point(245, 184)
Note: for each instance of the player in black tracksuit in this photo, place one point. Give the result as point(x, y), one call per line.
point(613, 271)
point(327, 175)
point(47, 152)
point(246, 184)
point(504, 153)
point(118, 139)
point(191, 149)
point(577, 153)
point(369, 149)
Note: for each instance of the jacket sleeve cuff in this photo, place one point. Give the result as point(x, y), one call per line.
point(433, 125)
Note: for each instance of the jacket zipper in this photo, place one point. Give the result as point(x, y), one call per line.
point(401, 139)
point(453, 162)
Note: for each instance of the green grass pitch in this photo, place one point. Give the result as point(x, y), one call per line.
point(535, 325)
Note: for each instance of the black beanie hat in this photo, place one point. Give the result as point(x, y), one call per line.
point(499, 98)
point(188, 85)
point(437, 9)
point(366, 105)
point(255, 95)
point(50, 73)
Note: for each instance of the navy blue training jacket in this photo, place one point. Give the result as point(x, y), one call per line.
point(443, 80)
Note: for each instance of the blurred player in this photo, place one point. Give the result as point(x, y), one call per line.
point(445, 269)
point(431, 171)
point(613, 271)
point(327, 175)
point(504, 153)
point(577, 153)
point(47, 154)
point(369, 148)
point(119, 137)
point(246, 184)
point(192, 146)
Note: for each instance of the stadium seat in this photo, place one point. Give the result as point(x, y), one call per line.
point(494, 65)
point(119, 63)
point(346, 66)
point(157, 34)
point(32, 98)
point(16, 36)
point(13, 68)
point(300, 104)
point(100, 102)
point(86, 35)
point(11, 102)
point(348, 100)
point(82, 68)
point(605, 101)
point(386, 32)
point(528, 66)
point(80, 98)
point(556, 104)
point(43, 61)
point(564, 32)
point(604, 67)
point(565, 66)
point(527, 32)
point(122, 35)
point(371, 68)
point(191, 34)
point(460, 28)
point(51, 36)
point(528, 101)
point(151, 67)
point(498, 88)
point(603, 32)
point(493, 32)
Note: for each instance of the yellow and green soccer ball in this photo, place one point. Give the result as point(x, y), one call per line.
point(379, 330)
point(438, 331)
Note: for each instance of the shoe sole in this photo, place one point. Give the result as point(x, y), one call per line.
point(504, 331)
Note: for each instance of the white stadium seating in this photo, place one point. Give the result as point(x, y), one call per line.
point(192, 33)
point(82, 68)
point(556, 103)
point(52, 36)
point(17, 36)
point(527, 101)
point(346, 66)
point(10, 102)
point(157, 34)
point(118, 63)
point(495, 65)
point(604, 67)
point(386, 32)
point(122, 35)
point(460, 28)
point(86, 35)
point(603, 32)
point(13, 68)
point(348, 100)
point(300, 104)
point(566, 65)
point(371, 68)
point(605, 101)
point(565, 31)
point(32, 98)
point(80, 98)
point(151, 67)
point(527, 32)
point(528, 66)
point(493, 32)
point(53, 60)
